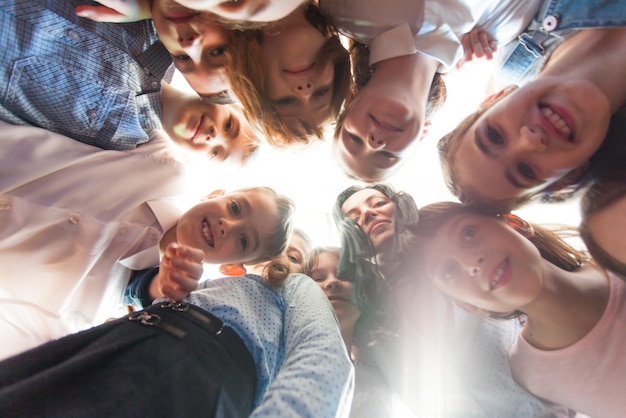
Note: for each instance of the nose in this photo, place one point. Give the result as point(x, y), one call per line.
point(190, 41)
point(532, 139)
point(332, 282)
point(209, 133)
point(226, 227)
point(473, 265)
point(304, 89)
point(367, 215)
point(375, 143)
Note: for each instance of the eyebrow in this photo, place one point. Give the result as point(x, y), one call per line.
point(368, 201)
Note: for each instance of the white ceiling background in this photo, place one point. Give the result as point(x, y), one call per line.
point(312, 178)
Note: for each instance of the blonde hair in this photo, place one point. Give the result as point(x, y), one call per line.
point(275, 245)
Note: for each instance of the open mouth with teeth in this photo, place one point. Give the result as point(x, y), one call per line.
point(207, 233)
point(499, 278)
point(557, 122)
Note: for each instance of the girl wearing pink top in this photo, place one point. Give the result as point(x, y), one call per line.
point(570, 350)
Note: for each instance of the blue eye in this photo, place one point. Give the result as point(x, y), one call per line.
point(235, 209)
point(493, 136)
point(469, 233)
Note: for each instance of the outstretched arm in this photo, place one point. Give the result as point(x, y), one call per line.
point(179, 272)
point(316, 379)
point(477, 43)
point(117, 11)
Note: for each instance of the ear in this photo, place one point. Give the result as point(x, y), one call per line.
point(232, 270)
point(519, 225)
point(215, 193)
point(491, 99)
point(425, 130)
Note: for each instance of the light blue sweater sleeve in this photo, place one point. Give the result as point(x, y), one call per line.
point(317, 377)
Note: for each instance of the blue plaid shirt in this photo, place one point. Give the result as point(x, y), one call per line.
point(98, 83)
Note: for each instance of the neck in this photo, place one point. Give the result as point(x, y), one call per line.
point(596, 55)
point(410, 73)
point(569, 305)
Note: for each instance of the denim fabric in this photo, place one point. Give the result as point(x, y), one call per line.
point(98, 83)
point(556, 21)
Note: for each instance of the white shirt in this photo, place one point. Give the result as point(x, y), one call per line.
point(434, 27)
point(74, 221)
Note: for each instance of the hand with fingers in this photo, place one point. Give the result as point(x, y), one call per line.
point(477, 43)
point(179, 272)
point(117, 11)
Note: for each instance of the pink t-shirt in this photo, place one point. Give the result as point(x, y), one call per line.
point(587, 376)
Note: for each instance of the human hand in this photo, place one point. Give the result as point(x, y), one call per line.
point(117, 11)
point(477, 43)
point(179, 272)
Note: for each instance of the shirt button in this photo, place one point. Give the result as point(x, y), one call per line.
point(124, 230)
point(153, 237)
point(74, 219)
point(5, 205)
point(92, 113)
point(154, 84)
point(73, 34)
point(550, 23)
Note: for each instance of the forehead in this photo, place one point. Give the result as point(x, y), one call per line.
point(362, 197)
point(356, 159)
point(326, 259)
point(296, 242)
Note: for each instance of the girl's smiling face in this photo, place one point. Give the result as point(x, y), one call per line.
point(531, 138)
point(215, 132)
point(231, 228)
point(300, 87)
point(197, 44)
point(483, 262)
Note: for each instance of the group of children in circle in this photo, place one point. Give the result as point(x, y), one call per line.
point(558, 134)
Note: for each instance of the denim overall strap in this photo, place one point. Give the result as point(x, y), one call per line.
point(555, 20)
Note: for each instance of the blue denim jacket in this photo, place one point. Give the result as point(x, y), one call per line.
point(555, 21)
point(98, 83)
